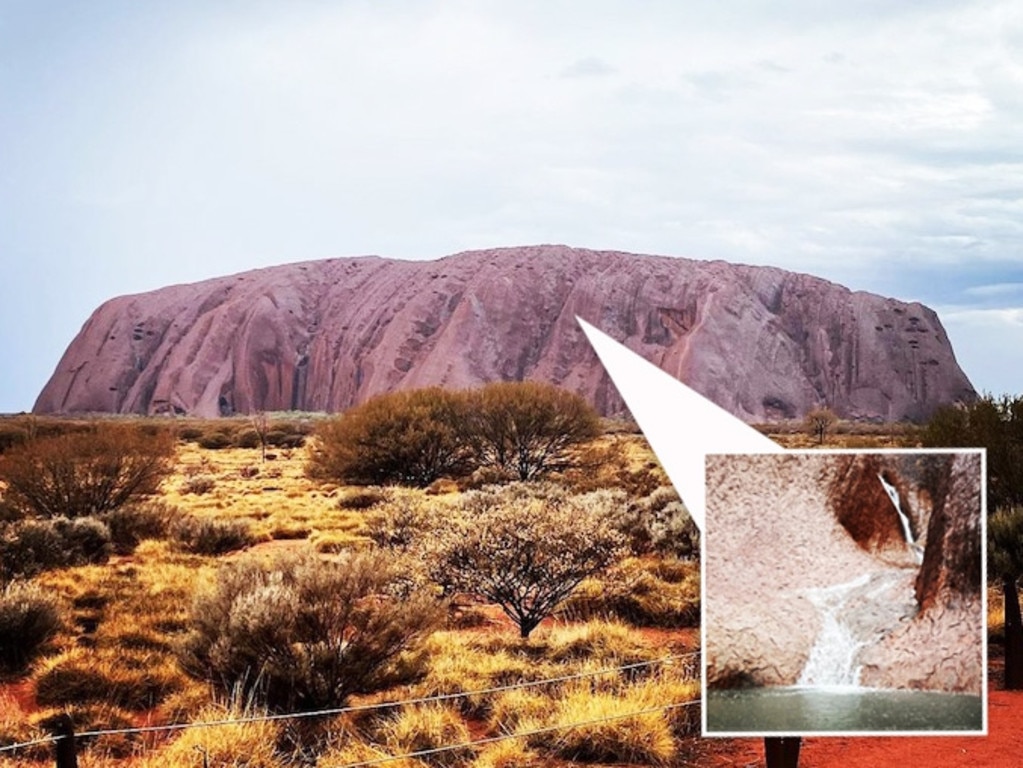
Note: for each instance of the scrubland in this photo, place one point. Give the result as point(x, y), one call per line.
point(610, 676)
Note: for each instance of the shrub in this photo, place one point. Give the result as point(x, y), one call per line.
point(362, 498)
point(399, 524)
point(409, 438)
point(198, 484)
point(131, 524)
point(86, 540)
point(212, 536)
point(304, 633)
point(31, 546)
point(12, 435)
point(29, 618)
point(248, 438)
point(658, 523)
point(523, 550)
point(992, 423)
point(528, 427)
point(281, 439)
point(190, 434)
point(86, 473)
point(215, 441)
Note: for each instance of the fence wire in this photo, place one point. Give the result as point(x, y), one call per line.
point(364, 707)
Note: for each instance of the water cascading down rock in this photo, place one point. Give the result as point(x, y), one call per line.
point(814, 576)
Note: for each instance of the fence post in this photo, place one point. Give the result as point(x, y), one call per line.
point(781, 751)
point(64, 747)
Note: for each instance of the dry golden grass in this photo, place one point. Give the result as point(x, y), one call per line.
point(115, 662)
point(244, 745)
point(425, 728)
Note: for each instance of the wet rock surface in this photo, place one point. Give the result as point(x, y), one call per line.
point(795, 594)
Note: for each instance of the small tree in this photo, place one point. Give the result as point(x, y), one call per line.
point(524, 552)
point(528, 428)
point(261, 425)
point(86, 473)
point(409, 438)
point(1005, 560)
point(304, 633)
point(996, 424)
point(819, 421)
point(992, 423)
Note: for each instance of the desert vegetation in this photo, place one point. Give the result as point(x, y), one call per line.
point(995, 424)
point(477, 619)
point(514, 429)
point(242, 585)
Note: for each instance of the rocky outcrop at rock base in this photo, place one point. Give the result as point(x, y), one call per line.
point(325, 335)
point(795, 541)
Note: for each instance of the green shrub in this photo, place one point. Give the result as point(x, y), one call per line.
point(302, 632)
point(215, 441)
point(410, 438)
point(527, 428)
point(248, 438)
point(521, 429)
point(29, 618)
point(212, 536)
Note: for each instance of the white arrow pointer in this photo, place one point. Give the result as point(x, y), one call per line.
point(681, 425)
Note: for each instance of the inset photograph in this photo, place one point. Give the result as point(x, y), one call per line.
point(843, 593)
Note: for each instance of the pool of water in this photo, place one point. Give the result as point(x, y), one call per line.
point(800, 710)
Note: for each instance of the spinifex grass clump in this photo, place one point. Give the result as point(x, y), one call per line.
point(29, 618)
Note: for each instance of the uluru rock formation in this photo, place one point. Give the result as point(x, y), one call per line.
point(324, 335)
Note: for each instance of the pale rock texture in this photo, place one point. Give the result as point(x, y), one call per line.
point(325, 335)
point(784, 530)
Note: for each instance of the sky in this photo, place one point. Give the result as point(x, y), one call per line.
point(875, 144)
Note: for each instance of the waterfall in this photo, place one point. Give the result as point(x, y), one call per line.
point(832, 659)
point(904, 519)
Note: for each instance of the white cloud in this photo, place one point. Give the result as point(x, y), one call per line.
point(848, 140)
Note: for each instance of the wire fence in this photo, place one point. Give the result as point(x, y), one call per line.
point(441, 697)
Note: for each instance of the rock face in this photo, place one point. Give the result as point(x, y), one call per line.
point(321, 336)
point(810, 578)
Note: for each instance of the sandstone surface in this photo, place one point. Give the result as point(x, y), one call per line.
point(796, 541)
point(321, 336)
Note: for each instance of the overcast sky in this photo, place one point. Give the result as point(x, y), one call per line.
point(876, 144)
